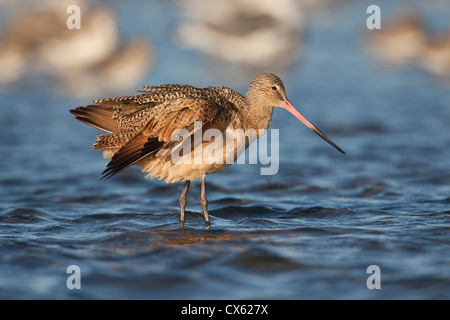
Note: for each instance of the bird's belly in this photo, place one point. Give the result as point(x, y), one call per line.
point(210, 155)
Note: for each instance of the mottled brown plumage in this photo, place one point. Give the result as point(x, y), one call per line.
point(140, 129)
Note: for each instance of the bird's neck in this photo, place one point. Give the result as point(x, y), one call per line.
point(257, 113)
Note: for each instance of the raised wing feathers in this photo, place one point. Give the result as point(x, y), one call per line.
point(144, 124)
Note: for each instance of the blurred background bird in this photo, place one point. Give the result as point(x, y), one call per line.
point(81, 62)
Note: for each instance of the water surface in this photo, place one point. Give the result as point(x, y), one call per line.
point(308, 232)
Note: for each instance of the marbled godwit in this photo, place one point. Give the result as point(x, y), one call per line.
point(53, 49)
point(436, 56)
point(141, 127)
point(118, 72)
point(405, 40)
point(261, 35)
point(400, 41)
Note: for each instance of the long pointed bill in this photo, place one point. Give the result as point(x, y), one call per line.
point(289, 107)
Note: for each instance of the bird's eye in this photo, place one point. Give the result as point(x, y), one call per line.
point(274, 88)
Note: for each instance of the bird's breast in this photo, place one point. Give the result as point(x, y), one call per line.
point(212, 152)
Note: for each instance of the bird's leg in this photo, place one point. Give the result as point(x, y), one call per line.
point(204, 203)
point(183, 202)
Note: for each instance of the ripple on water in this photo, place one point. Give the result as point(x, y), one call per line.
point(23, 216)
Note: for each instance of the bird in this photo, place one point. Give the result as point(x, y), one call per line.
point(59, 52)
point(52, 47)
point(401, 41)
point(436, 56)
point(262, 36)
point(140, 129)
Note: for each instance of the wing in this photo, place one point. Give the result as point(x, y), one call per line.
point(97, 116)
point(162, 122)
point(107, 114)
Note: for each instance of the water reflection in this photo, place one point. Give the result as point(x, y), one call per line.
point(187, 237)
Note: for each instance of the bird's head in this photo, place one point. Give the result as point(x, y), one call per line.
point(267, 90)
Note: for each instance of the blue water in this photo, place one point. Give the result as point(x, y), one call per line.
point(308, 232)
